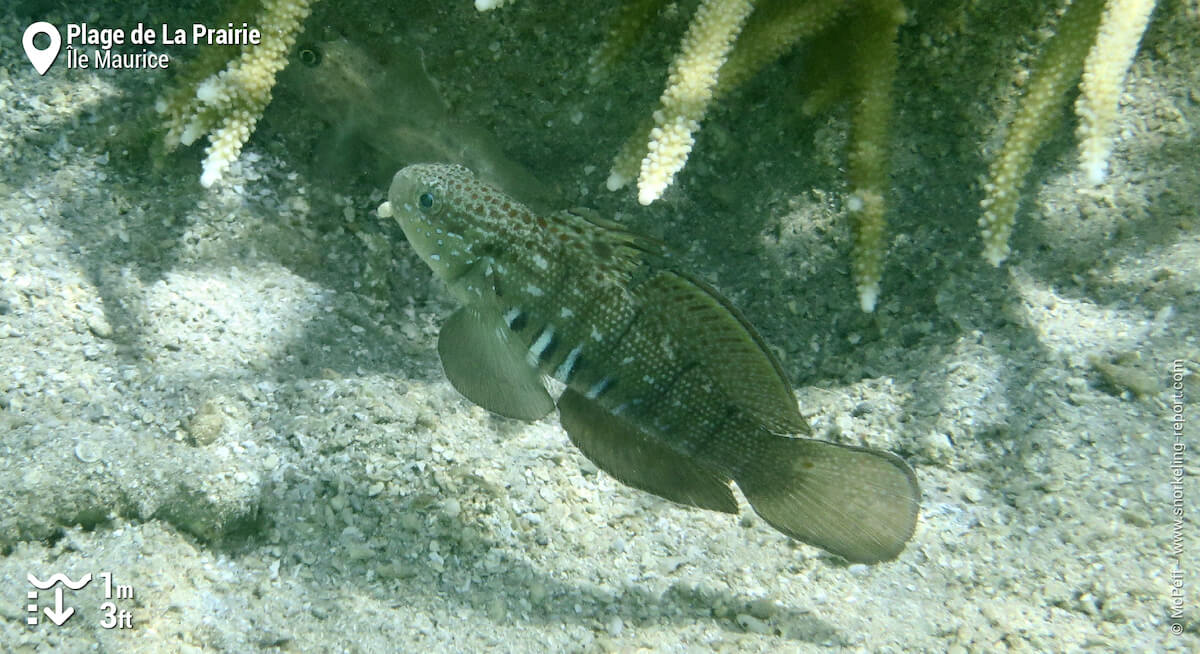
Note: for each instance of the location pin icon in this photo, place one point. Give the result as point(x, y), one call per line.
point(41, 59)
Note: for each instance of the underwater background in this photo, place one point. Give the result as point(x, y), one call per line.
point(228, 398)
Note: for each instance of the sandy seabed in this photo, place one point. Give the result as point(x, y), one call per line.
point(228, 400)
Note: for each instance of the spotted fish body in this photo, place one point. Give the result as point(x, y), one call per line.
point(669, 389)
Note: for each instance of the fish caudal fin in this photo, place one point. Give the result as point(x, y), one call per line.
point(860, 504)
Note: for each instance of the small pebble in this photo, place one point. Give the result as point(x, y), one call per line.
point(752, 624)
point(208, 423)
point(98, 325)
point(938, 442)
point(87, 451)
point(537, 592)
point(496, 609)
point(1126, 377)
point(763, 608)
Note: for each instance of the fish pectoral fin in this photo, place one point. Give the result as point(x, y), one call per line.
point(858, 503)
point(628, 454)
point(484, 362)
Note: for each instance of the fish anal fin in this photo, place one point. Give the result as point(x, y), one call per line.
point(626, 453)
point(487, 364)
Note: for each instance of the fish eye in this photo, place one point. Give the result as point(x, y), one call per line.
point(310, 55)
point(426, 200)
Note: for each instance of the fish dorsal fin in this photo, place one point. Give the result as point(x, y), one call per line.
point(614, 233)
point(486, 363)
point(625, 452)
point(594, 217)
point(736, 357)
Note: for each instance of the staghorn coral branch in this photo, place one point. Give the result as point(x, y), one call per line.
point(227, 105)
point(1095, 39)
point(488, 5)
point(727, 42)
point(689, 92)
point(709, 65)
point(631, 22)
point(1121, 30)
point(1083, 43)
point(774, 29)
point(1054, 72)
point(875, 72)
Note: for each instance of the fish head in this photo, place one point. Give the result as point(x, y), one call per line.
point(443, 211)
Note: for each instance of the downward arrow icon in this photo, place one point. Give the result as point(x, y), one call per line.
point(57, 615)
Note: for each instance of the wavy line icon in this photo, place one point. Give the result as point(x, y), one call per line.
point(57, 577)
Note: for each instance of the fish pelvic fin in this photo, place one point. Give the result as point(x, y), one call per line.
point(858, 503)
